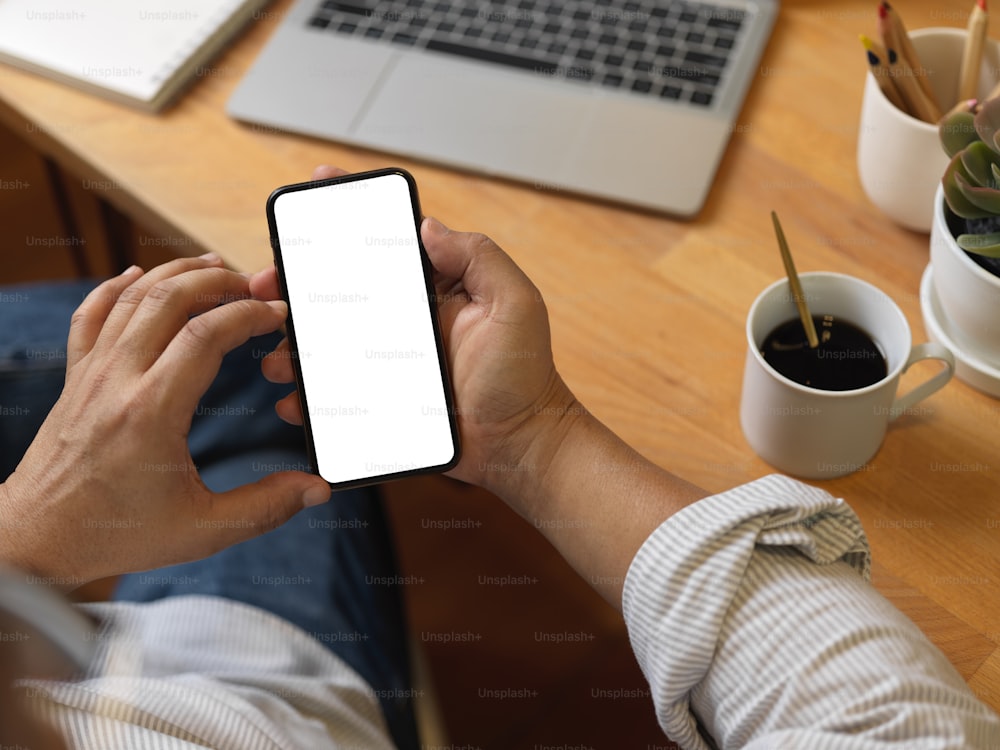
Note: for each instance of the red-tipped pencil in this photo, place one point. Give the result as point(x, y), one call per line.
point(902, 54)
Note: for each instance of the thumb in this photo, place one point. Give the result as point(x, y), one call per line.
point(264, 505)
point(447, 250)
point(483, 267)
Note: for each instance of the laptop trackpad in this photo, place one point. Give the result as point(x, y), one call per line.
point(493, 120)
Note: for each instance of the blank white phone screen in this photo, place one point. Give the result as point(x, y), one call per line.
point(361, 317)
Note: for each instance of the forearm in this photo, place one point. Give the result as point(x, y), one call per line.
point(593, 497)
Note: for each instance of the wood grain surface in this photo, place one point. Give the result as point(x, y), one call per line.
point(647, 312)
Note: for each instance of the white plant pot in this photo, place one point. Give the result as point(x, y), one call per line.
point(968, 295)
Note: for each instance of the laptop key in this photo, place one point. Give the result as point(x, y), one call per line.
point(493, 56)
point(701, 97)
point(731, 21)
point(703, 58)
point(345, 7)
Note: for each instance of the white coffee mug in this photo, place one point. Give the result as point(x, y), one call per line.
point(818, 434)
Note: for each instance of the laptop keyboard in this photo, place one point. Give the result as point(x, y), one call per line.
point(673, 50)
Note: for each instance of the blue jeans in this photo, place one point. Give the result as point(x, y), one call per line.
point(338, 554)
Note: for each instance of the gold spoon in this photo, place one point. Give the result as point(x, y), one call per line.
point(793, 280)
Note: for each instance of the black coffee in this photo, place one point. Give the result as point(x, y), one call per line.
point(846, 358)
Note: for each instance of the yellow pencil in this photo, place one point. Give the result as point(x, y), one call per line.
point(876, 61)
point(972, 57)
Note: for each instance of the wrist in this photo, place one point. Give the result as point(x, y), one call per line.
point(12, 531)
point(520, 468)
point(20, 547)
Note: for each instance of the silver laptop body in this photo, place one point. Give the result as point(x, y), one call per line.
point(514, 91)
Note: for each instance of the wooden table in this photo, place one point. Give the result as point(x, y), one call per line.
point(647, 312)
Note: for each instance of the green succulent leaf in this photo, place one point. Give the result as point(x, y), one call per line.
point(979, 160)
point(955, 196)
point(981, 244)
point(957, 131)
point(985, 198)
point(987, 121)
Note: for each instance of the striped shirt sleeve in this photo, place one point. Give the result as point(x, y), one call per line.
point(205, 672)
point(753, 619)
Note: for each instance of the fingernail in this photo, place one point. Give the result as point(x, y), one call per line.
point(278, 306)
point(436, 226)
point(210, 257)
point(315, 495)
point(130, 271)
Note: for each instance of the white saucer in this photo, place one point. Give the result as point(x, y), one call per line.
point(968, 367)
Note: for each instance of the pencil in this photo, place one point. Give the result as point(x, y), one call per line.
point(972, 57)
point(876, 56)
point(901, 53)
point(917, 105)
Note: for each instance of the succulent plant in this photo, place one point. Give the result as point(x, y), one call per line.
point(972, 179)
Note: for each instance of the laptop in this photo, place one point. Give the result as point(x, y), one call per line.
point(632, 101)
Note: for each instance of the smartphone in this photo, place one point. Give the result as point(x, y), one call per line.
point(363, 329)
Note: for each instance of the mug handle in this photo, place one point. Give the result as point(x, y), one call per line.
point(927, 350)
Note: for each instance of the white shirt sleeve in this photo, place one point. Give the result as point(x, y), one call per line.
point(752, 618)
point(190, 672)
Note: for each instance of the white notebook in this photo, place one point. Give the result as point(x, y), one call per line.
point(141, 52)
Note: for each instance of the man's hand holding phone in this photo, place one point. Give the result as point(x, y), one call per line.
point(509, 399)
